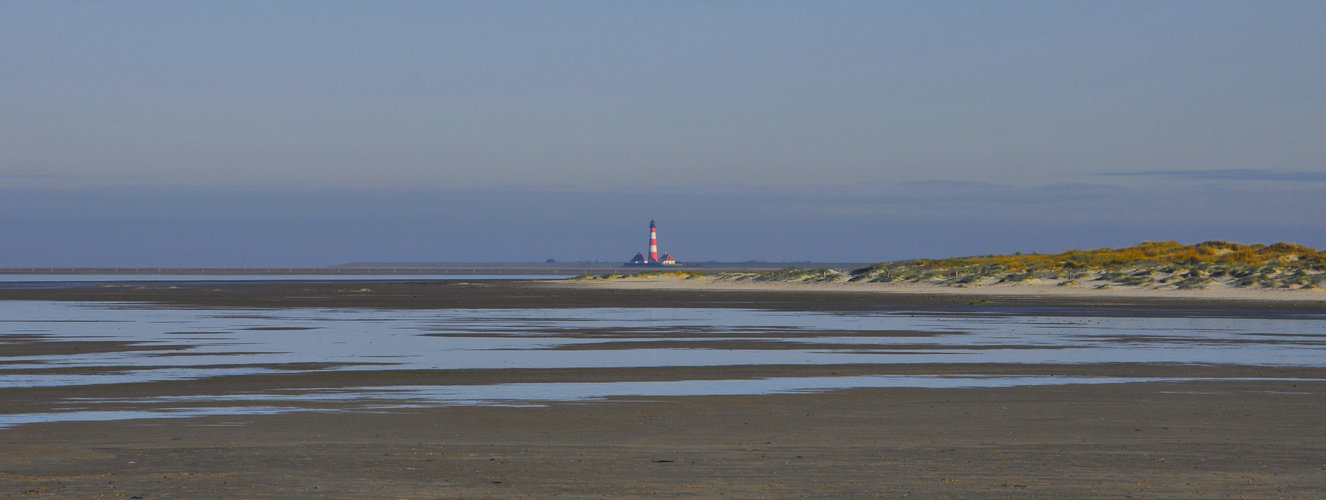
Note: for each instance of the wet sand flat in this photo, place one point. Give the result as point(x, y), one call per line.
point(1191, 440)
point(1232, 431)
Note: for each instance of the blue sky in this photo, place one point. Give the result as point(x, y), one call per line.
point(309, 133)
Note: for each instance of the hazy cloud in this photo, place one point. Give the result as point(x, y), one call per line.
point(266, 226)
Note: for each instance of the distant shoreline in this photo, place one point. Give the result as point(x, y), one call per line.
point(1167, 269)
point(466, 268)
point(293, 271)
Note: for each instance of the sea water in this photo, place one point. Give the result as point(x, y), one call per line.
point(83, 280)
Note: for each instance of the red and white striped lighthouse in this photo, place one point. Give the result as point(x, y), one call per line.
point(653, 243)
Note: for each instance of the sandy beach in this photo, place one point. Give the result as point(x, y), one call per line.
point(663, 292)
point(1224, 431)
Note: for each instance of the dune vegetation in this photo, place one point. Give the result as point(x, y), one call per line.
point(789, 275)
point(1153, 264)
point(642, 274)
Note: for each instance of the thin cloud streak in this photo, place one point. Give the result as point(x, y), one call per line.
point(1225, 175)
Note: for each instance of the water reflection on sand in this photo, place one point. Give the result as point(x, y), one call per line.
point(161, 344)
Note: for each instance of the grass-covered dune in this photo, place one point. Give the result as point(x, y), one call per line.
point(1156, 265)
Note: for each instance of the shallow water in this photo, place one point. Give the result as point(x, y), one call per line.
point(528, 394)
point(183, 344)
point(82, 280)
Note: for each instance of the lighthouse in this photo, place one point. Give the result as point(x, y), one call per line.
point(652, 259)
point(653, 243)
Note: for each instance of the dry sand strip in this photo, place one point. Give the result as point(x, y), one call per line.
point(1216, 439)
point(672, 292)
point(1025, 290)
